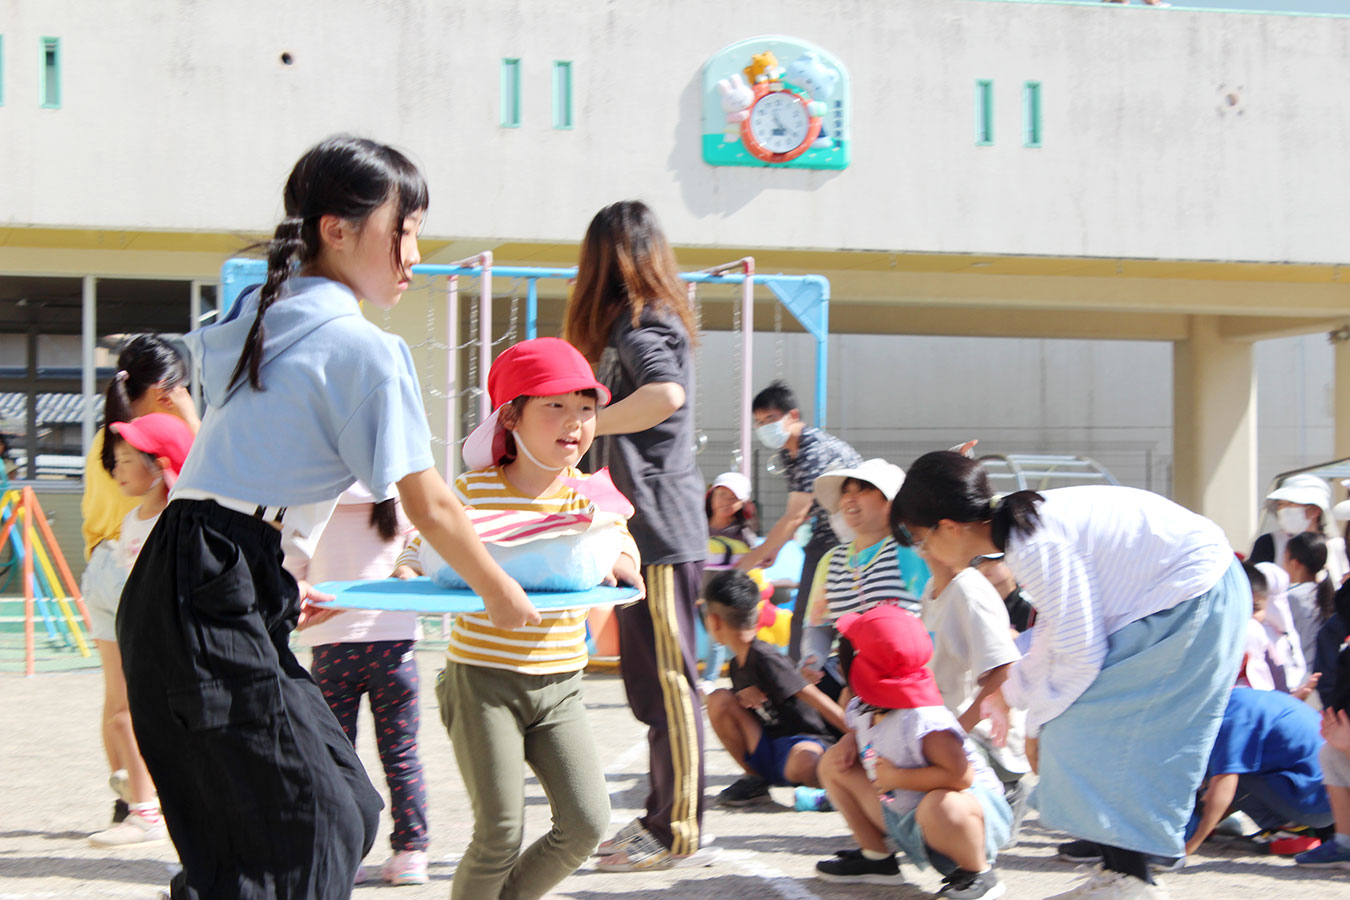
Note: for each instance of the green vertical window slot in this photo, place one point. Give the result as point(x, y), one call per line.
point(984, 112)
point(562, 94)
point(1031, 114)
point(49, 85)
point(510, 93)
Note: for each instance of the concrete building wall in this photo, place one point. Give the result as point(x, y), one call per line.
point(1181, 135)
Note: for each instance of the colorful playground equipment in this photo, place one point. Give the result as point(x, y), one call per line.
point(38, 558)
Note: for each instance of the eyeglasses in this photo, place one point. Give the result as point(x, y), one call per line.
point(906, 538)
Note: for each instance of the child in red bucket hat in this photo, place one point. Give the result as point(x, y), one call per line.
point(906, 770)
point(513, 697)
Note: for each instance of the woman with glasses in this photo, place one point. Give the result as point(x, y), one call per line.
point(1140, 609)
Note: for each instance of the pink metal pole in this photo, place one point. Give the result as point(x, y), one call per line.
point(484, 334)
point(747, 265)
point(747, 356)
point(451, 376)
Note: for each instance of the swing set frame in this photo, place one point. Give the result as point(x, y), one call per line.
point(806, 297)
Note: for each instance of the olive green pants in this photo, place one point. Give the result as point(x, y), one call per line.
point(498, 722)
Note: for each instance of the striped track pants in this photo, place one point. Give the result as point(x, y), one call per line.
point(659, 667)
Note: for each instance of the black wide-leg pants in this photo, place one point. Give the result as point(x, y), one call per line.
point(262, 793)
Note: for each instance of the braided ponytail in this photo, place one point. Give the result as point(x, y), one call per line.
point(285, 249)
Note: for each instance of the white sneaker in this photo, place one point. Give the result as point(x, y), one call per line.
point(135, 829)
point(1105, 884)
point(405, 867)
point(621, 837)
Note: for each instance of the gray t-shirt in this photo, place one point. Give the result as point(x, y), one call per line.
point(655, 468)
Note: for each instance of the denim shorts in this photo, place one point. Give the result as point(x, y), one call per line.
point(903, 828)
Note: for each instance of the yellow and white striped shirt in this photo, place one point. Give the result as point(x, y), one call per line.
point(558, 643)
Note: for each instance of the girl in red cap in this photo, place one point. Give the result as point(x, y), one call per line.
point(148, 454)
point(906, 770)
point(512, 697)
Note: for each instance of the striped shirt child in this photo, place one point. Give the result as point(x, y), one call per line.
point(558, 643)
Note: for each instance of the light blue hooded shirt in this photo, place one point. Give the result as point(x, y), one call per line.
point(340, 402)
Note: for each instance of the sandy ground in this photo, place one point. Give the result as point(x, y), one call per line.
point(54, 788)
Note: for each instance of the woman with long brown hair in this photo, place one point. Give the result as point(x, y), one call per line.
point(630, 316)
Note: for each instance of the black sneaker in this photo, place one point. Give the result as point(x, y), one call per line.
point(1081, 852)
point(964, 885)
point(745, 791)
point(1089, 852)
point(860, 870)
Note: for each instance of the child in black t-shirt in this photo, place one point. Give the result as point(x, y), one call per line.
point(772, 721)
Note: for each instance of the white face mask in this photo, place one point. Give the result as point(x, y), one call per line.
point(1293, 519)
point(772, 434)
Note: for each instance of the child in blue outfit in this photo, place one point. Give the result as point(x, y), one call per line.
point(906, 770)
point(1264, 763)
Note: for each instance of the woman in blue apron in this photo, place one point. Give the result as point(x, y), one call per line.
point(1140, 611)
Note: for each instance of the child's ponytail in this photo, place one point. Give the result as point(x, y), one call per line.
point(286, 247)
point(1309, 550)
point(144, 362)
point(384, 518)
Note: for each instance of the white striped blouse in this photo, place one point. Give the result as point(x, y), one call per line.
point(1102, 558)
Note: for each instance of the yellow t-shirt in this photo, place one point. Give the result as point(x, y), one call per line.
point(103, 506)
point(558, 643)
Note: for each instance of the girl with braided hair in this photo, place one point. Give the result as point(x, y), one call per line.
point(1140, 611)
point(262, 793)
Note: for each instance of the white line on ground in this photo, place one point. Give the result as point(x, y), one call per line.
point(747, 861)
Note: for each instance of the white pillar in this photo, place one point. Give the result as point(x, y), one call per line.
point(1214, 429)
point(88, 374)
point(1340, 343)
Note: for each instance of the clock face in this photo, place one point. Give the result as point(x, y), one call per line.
point(780, 122)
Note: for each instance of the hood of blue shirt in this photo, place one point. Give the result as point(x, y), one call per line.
point(305, 304)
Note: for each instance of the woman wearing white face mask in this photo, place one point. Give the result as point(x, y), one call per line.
point(1302, 503)
point(803, 455)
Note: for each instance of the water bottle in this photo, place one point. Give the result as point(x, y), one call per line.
point(809, 799)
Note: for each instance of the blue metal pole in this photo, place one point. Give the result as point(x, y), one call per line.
point(531, 307)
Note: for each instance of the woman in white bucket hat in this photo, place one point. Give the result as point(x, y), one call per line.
point(867, 569)
point(1302, 503)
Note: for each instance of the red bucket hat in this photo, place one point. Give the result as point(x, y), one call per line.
point(891, 651)
point(540, 367)
point(160, 435)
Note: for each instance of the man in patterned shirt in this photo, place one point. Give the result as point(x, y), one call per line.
point(804, 453)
